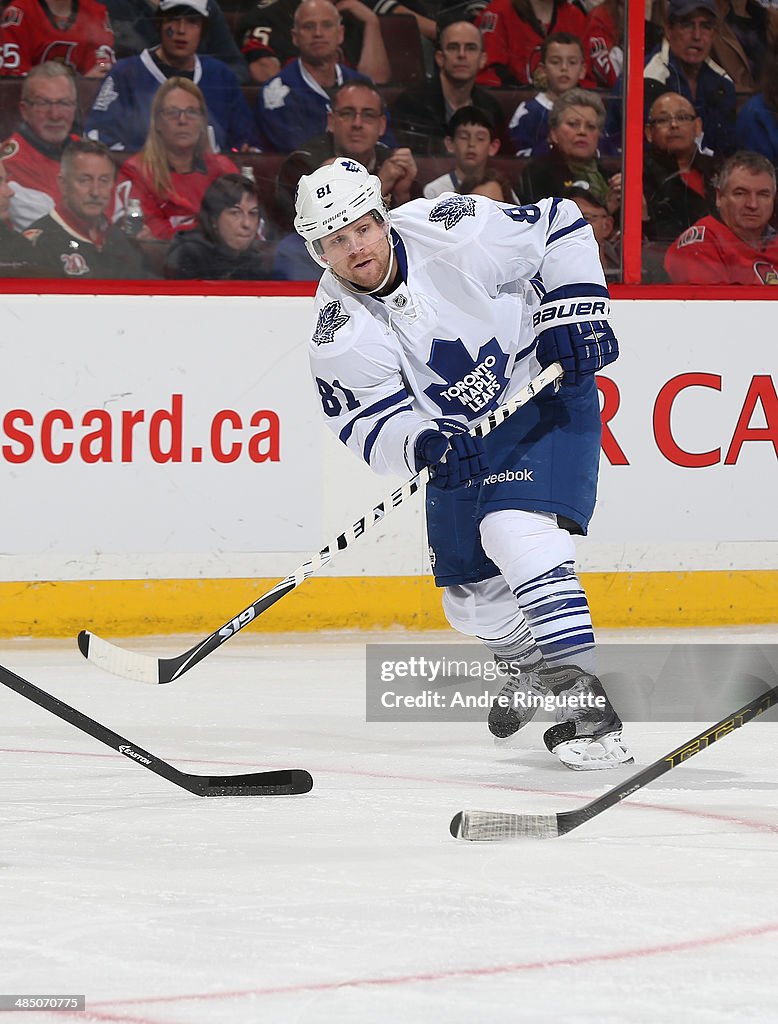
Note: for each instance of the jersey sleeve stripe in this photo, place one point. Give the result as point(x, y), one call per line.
point(384, 403)
point(372, 437)
point(556, 235)
point(552, 211)
point(574, 291)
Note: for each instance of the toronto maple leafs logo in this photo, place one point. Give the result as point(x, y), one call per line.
point(330, 320)
point(449, 212)
point(472, 385)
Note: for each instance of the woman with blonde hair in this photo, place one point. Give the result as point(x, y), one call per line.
point(170, 174)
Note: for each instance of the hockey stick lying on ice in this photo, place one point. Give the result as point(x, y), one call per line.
point(282, 782)
point(146, 669)
point(493, 826)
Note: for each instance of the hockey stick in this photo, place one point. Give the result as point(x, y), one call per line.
point(493, 826)
point(282, 782)
point(146, 669)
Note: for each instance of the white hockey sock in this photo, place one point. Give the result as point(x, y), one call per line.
point(516, 646)
point(536, 558)
point(557, 612)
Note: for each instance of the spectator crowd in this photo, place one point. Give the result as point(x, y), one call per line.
point(165, 138)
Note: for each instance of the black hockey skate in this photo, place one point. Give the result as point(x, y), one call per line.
point(516, 704)
point(587, 733)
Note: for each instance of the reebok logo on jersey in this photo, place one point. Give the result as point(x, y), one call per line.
point(509, 475)
point(574, 311)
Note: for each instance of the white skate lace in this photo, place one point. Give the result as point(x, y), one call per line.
point(524, 682)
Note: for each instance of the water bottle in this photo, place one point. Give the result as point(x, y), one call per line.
point(133, 219)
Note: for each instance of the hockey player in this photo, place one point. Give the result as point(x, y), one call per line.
point(423, 326)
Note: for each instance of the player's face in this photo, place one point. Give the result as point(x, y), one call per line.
point(50, 108)
point(746, 203)
point(180, 121)
point(564, 65)
point(180, 38)
point(461, 55)
point(6, 193)
point(356, 122)
point(237, 225)
point(673, 125)
point(472, 145)
point(691, 38)
point(317, 32)
point(359, 253)
point(87, 186)
point(577, 133)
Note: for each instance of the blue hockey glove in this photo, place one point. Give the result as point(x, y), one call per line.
point(571, 333)
point(453, 461)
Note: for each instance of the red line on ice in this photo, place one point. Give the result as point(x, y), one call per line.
point(462, 972)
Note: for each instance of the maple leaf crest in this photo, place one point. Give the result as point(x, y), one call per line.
point(330, 320)
point(450, 212)
point(472, 385)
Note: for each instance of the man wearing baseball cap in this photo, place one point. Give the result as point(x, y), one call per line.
point(683, 64)
point(120, 113)
point(134, 24)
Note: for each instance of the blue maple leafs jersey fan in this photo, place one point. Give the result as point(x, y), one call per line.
point(456, 337)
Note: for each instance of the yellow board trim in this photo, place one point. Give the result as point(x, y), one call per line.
point(147, 607)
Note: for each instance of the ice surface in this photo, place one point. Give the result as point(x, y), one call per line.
point(353, 903)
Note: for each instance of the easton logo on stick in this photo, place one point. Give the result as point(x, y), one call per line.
point(133, 754)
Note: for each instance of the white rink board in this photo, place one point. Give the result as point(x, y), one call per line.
point(229, 358)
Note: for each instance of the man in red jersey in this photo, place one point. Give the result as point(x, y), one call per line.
point(738, 246)
point(513, 32)
point(73, 32)
point(33, 153)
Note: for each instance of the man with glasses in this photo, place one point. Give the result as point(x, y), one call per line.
point(422, 115)
point(120, 113)
point(677, 177)
point(33, 153)
point(294, 105)
point(354, 129)
point(683, 64)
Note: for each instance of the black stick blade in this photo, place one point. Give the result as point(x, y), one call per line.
point(455, 828)
point(284, 782)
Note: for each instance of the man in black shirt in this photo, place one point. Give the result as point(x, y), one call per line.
point(76, 239)
point(420, 116)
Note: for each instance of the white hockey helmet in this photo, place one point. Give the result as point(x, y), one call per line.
point(332, 197)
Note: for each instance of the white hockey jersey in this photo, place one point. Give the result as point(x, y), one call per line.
point(455, 338)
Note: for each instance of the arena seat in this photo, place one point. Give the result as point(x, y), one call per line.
point(403, 46)
point(10, 95)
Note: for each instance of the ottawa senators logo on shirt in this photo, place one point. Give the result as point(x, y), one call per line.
point(766, 273)
point(74, 264)
point(12, 16)
point(10, 148)
point(696, 233)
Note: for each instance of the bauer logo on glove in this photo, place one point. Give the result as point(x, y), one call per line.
point(569, 334)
